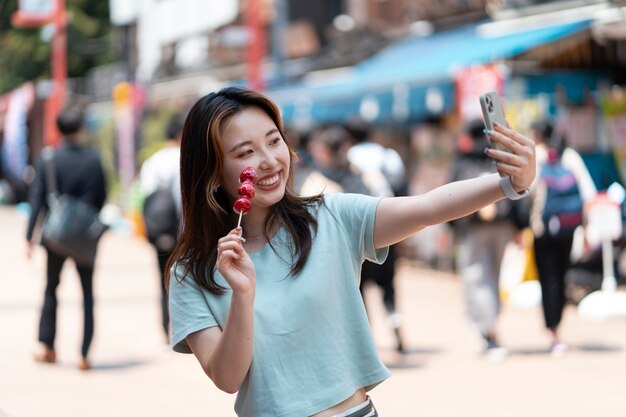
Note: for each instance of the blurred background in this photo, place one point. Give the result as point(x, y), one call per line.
point(410, 69)
point(411, 72)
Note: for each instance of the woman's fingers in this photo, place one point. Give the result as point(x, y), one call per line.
point(515, 144)
point(506, 157)
point(508, 170)
point(233, 236)
point(519, 161)
point(514, 135)
point(230, 246)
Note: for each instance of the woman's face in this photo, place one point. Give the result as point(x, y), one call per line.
point(252, 139)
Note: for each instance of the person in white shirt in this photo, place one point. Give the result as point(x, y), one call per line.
point(385, 174)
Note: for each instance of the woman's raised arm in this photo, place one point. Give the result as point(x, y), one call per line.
point(400, 217)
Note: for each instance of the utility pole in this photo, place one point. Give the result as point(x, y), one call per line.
point(55, 14)
point(256, 45)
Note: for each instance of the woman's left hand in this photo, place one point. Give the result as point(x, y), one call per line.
point(518, 160)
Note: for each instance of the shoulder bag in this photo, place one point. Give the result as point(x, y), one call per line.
point(71, 227)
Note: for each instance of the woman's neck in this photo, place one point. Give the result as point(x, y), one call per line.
point(253, 224)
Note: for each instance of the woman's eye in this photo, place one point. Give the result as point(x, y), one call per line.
point(275, 141)
point(245, 153)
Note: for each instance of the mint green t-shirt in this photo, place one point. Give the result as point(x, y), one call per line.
point(313, 347)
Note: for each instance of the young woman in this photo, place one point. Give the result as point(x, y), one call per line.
point(272, 310)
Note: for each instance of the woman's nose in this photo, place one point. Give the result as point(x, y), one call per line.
point(267, 160)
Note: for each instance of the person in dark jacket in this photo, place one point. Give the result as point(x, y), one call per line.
point(78, 173)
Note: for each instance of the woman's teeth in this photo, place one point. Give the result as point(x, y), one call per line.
point(268, 181)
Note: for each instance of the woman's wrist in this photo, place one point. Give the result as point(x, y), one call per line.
point(517, 188)
point(243, 297)
point(510, 190)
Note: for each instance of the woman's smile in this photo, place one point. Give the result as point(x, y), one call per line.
point(269, 182)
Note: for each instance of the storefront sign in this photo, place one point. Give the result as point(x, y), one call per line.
point(472, 82)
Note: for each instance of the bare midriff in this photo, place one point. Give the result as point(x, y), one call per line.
point(355, 399)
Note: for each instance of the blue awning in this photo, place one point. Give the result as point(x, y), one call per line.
point(410, 79)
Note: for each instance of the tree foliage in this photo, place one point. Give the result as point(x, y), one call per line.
point(26, 55)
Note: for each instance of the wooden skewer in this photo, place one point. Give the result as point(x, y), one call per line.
point(240, 216)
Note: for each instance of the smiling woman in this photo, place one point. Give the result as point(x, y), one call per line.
point(284, 306)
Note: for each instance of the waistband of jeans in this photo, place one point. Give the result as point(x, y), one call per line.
point(362, 410)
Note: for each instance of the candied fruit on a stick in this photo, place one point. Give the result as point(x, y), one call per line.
point(246, 189)
point(248, 174)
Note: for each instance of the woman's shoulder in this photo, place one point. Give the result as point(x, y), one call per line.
point(327, 202)
point(345, 204)
point(182, 278)
point(347, 199)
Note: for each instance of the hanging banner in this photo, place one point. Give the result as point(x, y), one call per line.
point(15, 143)
point(472, 82)
point(124, 131)
point(613, 108)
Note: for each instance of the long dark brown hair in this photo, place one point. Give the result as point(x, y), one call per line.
point(207, 213)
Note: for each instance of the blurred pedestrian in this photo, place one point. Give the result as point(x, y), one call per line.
point(562, 187)
point(482, 238)
point(277, 316)
point(371, 156)
point(79, 173)
point(328, 147)
point(387, 178)
point(160, 183)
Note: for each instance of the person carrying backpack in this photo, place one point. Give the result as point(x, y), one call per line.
point(561, 188)
point(160, 183)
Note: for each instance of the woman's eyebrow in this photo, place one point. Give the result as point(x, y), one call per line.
point(239, 145)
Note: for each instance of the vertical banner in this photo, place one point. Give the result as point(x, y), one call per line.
point(15, 144)
point(38, 13)
point(613, 107)
point(470, 83)
point(125, 133)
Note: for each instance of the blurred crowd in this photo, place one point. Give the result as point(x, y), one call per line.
point(544, 239)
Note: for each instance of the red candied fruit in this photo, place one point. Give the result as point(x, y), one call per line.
point(242, 205)
point(248, 174)
point(246, 189)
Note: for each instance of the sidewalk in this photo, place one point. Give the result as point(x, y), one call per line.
point(135, 375)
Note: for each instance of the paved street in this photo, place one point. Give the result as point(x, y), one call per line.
point(135, 375)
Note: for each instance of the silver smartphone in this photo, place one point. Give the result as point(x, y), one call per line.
point(493, 111)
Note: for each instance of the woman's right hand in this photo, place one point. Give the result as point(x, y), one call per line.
point(234, 263)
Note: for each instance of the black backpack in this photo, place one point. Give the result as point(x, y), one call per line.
point(161, 219)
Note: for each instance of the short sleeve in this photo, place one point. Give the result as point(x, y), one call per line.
point(357, 213)
point(189, 310)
